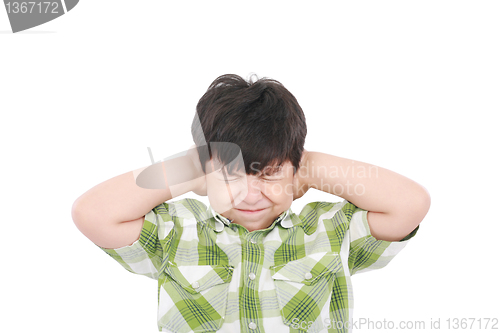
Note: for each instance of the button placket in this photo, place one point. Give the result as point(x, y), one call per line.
point(251, 252)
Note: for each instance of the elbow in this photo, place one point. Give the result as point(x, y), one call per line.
point(414, 210)
point(420, 205)
point(80, 217)
point(77, 215)
point(399, 224)
point(424, 202)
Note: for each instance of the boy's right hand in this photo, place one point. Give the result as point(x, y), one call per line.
point(199, 184)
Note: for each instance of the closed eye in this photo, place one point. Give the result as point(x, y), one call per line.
point(232, 180)
point(272, 179)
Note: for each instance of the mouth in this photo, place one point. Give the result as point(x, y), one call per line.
point(251, 211)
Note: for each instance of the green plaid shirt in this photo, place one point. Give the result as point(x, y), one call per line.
point(215, 276)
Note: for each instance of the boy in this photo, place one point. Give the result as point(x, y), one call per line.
point(247, 262)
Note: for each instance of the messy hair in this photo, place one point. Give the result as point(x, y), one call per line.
point(261, 118)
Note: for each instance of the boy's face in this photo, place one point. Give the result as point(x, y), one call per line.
point(253, 201)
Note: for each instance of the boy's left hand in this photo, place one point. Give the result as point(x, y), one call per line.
point(299, 180)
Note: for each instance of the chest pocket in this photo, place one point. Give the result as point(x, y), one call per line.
point(193, 298)
point(304, 288)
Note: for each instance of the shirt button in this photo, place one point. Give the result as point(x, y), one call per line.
point(308, 276)
point(252, 325)
point(195, 285)
point(251, 276)
point(253, 241)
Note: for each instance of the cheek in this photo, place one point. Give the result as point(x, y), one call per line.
point(282, 191)
point(215, 192)
point(224, 196)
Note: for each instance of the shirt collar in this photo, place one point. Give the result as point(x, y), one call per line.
point(287, 220)
point(219, 220)
point(290, 220)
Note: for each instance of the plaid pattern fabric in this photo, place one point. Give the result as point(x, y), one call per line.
point(215, 276)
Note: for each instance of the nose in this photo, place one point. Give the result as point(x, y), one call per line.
point(254, 193)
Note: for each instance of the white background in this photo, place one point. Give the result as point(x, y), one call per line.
point(412, 86)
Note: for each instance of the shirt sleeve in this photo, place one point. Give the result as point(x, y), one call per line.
point(145, 255)
point(365, 251)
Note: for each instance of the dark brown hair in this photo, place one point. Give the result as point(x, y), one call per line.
point(261, 118)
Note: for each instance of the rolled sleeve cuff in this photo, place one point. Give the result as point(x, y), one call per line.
point(141, 257)
point(368, 252)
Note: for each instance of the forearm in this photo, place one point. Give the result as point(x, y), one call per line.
point(392, 200)
point(367, 186)
point(133, 194)
point(128, 197)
